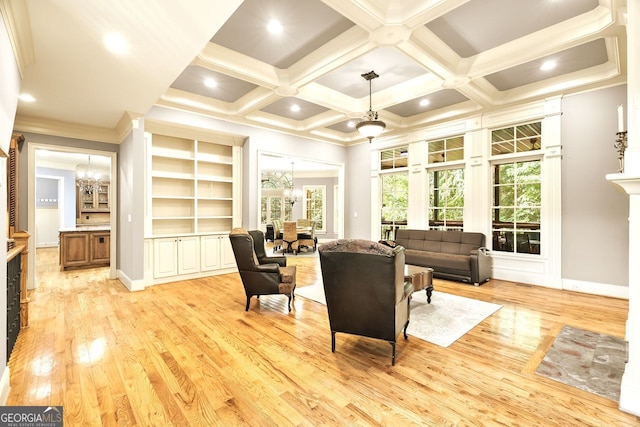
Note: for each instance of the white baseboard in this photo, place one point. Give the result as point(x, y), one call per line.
point(630, 394)
point(46, 244)
point(132, 285)
point(602, 289)
point(5, 386)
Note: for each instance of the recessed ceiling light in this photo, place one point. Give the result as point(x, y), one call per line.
point(548, 65)
point(424, 102)
point(210, 82)
point(26, 97)
point(351, 124)
point(274, 27)
point(116, 43)
point(295, 108)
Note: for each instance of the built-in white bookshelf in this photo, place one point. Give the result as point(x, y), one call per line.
point(191, 186)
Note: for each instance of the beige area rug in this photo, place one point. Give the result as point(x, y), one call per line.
point(442, 322)
point(586, 360)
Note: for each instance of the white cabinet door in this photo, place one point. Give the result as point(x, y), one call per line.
point(188, 255)
point(217, 253)
point(227, 258)
point(210, 253)
point(165, 257)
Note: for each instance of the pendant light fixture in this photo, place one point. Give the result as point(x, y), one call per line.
point(370, 127)
point(87, 179)
point(293, 195)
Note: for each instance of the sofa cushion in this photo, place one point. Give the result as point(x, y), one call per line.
point(438, 260)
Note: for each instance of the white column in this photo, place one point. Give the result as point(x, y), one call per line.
point(629, 180)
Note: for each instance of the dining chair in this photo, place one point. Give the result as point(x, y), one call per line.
point(290, 236)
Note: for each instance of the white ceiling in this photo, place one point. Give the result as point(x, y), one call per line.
point(464, 56)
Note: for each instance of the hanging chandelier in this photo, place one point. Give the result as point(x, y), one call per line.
point(293, 195)
point(370, 126)
point(87, 179)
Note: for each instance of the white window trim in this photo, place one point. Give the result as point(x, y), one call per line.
point(544, 269)
point(322, 230)
point(336, 209)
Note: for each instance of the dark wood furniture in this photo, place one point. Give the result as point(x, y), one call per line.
point(14, 299)
point(17, 239)
point(421, 278)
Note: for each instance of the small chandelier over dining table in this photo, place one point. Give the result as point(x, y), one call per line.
point(370, 126)
point(291, 194)
point(87, 179)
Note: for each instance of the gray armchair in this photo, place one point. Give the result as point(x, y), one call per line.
point(365, 290)
point(260, 279)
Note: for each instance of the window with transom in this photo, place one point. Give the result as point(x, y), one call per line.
point(446, 199)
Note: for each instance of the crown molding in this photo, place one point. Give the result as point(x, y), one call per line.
point(16, 19)
point(125, 124)
point(65, 129)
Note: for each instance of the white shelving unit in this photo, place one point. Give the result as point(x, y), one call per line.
point(193, 185)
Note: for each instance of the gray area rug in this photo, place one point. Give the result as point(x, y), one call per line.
point(442, 322)
point(586, 360)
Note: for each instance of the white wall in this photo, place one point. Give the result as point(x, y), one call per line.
point(9, 91)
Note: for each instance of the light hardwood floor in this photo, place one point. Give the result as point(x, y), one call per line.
point(187, 353)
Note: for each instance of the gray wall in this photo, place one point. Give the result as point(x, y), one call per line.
point(595, 228)
point(328, 183)
point(131, 194)
point(69, 187)
point(256, 140)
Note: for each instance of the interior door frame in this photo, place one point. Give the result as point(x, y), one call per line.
point(31, 198)
point(341, 182)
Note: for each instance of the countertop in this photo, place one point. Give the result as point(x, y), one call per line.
point(80, 228)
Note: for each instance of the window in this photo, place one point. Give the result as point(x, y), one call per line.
point(274, 205)
point(446, 199)
point(516, 207)
point(394, 158)
point(517, 196)
point(395, 203)
point(445, 150)
point(314, 207)
point(517, 139)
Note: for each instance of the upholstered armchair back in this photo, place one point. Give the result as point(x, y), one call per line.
point(261, 253)
point(257, 279)
point(260, 278)
point(364, 288)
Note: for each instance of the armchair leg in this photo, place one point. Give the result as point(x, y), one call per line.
point(248, 301)
point(393, 353)
point(333, 342)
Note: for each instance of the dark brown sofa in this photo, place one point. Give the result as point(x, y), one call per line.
point(454, 255)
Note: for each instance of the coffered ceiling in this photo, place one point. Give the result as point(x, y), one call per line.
point(437, 60)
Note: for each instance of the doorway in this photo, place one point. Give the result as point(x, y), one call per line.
point(279, 173)
point(62, 162)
